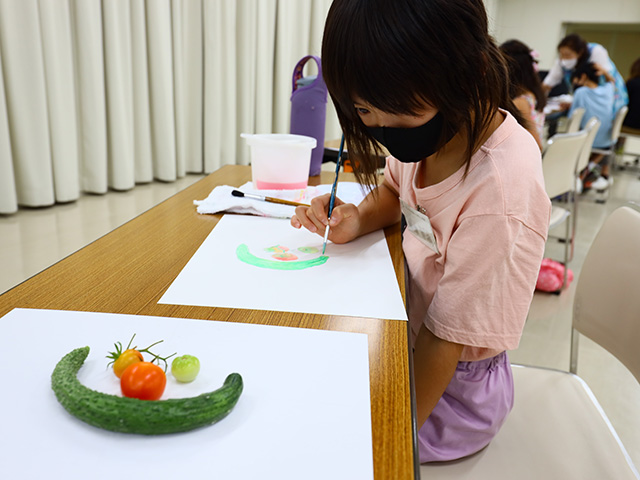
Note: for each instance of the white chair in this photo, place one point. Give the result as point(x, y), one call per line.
point(620, 158)
point(559, 170)
point(616, 127)
point(557, 429)
point(591, 127)
point(573, 124)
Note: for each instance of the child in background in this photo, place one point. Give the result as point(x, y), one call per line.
point(424, 78)
point(597, 100)
point(631, 123)
point(526, 89)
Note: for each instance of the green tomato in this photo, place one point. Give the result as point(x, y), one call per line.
point(185, 368)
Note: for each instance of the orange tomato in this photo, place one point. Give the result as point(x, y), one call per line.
point(125, 359)
point(143, 380)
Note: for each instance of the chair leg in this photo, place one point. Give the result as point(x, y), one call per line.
point(575, 218)
point(574, 222)
point(603, 195)
point(573, 353)
point(615, 156)
point(568, 246)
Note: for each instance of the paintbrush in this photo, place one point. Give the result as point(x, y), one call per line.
point(332, 199)
point(238, 193)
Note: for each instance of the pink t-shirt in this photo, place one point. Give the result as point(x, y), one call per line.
point(490, 229)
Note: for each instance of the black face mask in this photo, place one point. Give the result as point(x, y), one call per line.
point(410, 145)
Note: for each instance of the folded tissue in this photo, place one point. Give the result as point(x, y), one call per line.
point(221, 200)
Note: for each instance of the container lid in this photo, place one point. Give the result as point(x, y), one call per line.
point(288, 139)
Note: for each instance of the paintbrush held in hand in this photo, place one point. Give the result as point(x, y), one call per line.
point(238, 193)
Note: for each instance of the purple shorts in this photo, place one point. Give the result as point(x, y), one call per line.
point(470, 412)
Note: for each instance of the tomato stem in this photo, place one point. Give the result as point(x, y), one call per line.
point(156, 358)
point(130, 342)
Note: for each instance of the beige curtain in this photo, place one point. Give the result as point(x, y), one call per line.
point(105, 94)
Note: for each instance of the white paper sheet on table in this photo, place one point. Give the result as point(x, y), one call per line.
point(358, 279)
point(304, 412)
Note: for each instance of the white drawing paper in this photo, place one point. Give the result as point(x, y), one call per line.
point(357, 279)
point(304, 411)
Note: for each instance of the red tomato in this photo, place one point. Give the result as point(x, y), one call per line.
point(143, 380)
point(125, 359)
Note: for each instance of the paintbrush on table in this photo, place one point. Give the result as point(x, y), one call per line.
point(238, 193)
point(332, 200)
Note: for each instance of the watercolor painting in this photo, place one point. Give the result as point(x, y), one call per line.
point(279, 257)
point(248, 262)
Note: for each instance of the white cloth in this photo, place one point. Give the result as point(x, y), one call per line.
point(221, 200)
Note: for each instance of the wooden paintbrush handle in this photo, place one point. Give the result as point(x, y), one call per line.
point(284, 202)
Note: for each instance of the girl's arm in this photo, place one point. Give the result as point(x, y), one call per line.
point(524, 107)
point(434, 363)
point(600, 56)
point(554, 77)
point(379, 209)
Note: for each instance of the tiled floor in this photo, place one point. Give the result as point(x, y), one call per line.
point(33, 239)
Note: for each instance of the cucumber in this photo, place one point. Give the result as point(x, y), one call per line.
point(130, 415)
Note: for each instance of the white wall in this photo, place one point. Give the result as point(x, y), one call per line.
point(538, 23)
point(492, 11)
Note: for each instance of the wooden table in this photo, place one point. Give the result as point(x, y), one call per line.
point(129, 269)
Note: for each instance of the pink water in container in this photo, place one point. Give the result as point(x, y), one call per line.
point(280, 161)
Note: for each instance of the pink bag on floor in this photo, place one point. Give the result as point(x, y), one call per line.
point(551, 275)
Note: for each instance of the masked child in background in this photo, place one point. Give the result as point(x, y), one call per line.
point(526, 89)
point(424, 79)
point(573, 52)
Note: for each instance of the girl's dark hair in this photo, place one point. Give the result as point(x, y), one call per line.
point(587, 69)
point(521, 72)
point(397, 55)
point(576, 43)
point(635, 69)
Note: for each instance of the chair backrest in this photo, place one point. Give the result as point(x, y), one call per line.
point(574, 121)
point(606, 305)
point(592, 126)
point(559, 162)
point(617, 125)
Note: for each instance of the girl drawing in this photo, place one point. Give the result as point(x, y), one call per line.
point(424, 79)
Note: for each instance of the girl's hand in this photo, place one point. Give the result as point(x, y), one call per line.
point(344, 224)
point(598, 68)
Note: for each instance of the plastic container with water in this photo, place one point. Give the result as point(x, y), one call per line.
point(280, 161)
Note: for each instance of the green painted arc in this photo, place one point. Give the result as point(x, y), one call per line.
point(244, 255)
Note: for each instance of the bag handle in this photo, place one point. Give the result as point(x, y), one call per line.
point(297, 71)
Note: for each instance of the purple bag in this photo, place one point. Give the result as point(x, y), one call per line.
point(309, 109)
